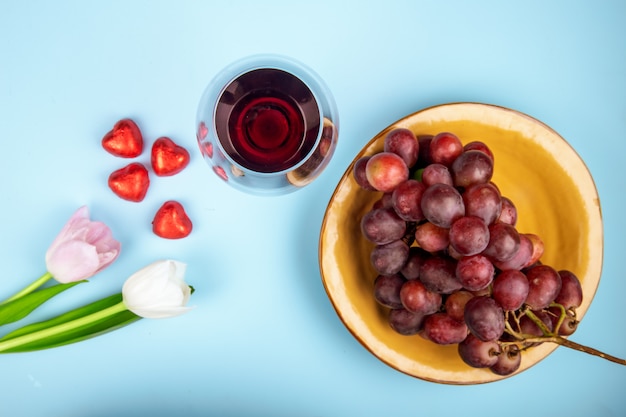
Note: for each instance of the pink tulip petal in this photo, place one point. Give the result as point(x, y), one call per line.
point(82, 248)
point(72, 261)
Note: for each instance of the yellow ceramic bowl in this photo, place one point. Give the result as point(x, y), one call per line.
point(555, 196)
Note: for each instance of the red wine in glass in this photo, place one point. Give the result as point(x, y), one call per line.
point(267, 125)
point(267, 120)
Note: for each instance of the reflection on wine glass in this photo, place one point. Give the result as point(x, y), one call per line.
point(267, 124)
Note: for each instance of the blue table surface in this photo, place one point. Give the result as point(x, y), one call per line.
point(263, 338)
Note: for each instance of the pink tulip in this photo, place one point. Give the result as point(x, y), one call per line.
point(82, 248)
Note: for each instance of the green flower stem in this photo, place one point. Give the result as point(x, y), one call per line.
point(21, 307)
point(32, 287)
point(59, 329)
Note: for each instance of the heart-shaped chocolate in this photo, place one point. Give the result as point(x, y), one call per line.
point(124, 140)
point(167, 157)
point(171, 221)
point(131, 182)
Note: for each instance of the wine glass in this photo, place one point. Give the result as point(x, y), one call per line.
point(267, 124)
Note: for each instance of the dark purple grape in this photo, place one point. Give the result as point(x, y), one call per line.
point(544, 286)
point(389, 258)
point(432, 238)
point(443, 329)
point(510, 289)
point(405, 322)
point(411, 269)
point(571, 294)
point(455, 304)
point(469, 235)
point(416, 298)
point(382, 226)
point(438, 274)
point(387, 290)
point(442, 205)
point(484, 318)
point(424, 158)
point(504, 242)
point(402, 142)
point(508, 361)
point(484, 201)
point(475, 272)
point(406, 200)
point(508, 214)
point(359, 173)
point(477, 353)
point(436, 174)
point(472, 167)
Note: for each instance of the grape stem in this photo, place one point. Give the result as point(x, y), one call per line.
point(525, 340)
point(576, 346)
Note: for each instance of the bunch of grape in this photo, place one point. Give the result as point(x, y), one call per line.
point(451, 265)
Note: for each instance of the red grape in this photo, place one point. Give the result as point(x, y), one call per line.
point(478, 146)
point(544, 286)
point(530, 328)
point(385, 170)
point(411, 268)
point(416, 298)
point(478, 353)
point(508, 214)
point(484, 318)
point(436, 174)
point(472, 167)
point(432, 238)
point(469, 235)
point(504, 242)
point(571, 294)
point(438, 274)
point(359, 173)
point(382, 226)
point(475, 272)
point(508, 361)
point(510, 289)
point(445, 147)
point(406, 200)
point(387, 290)
point(389, 258)
point(537, 250)
point(455, 304)
point(484, 201)
point(402, 142)
point(569, 323)
point(442, 205)
point(521, 258)
point(405, 322)
point(443, 329)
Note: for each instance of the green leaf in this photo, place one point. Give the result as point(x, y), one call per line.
point(76, 335)
point(74, 326)
point(66, 317)
point(21, 307)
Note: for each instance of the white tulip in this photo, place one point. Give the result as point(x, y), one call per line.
point(158, 290)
